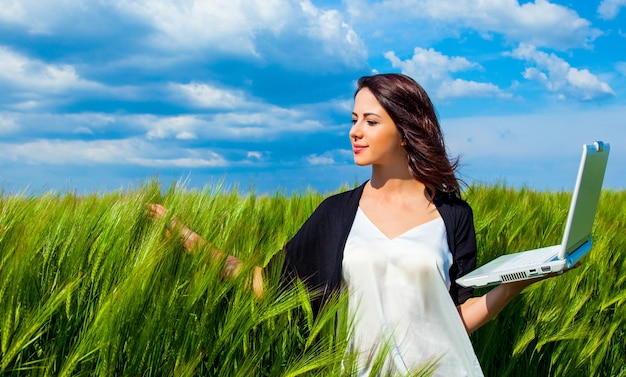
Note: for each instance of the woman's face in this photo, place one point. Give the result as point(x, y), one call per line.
point(374, 136)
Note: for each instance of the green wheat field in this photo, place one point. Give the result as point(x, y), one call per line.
point(91, 286)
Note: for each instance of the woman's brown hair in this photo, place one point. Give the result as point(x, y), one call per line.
point(412, 111)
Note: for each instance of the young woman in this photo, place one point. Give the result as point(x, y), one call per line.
point(397, 243)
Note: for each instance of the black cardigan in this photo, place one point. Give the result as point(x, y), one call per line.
point(315, 253)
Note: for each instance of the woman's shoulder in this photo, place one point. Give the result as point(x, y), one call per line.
point(455, 211)
point(344, 198)
point(452, 202)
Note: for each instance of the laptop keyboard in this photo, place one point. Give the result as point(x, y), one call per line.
point(532, 257)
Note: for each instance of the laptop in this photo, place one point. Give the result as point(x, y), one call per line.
point(576, 237)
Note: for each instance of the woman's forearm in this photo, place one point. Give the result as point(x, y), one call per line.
point(477, 311)
point(193, 242)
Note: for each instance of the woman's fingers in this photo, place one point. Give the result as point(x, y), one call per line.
point(156, 211)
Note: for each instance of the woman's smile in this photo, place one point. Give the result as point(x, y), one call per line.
point(357, 148)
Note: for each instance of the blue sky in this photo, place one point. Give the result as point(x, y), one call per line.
point(102, 95)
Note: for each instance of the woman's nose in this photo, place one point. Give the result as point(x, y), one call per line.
point(355, 131)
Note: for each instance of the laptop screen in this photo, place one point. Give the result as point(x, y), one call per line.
point(586, 195)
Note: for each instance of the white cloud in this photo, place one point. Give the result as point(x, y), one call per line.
point(331, 157)
point(228, 26)
point(7, 125)
point(32, 75)
point(61, 152)
point(185, 135)
point(265, 123)
point(168, 127)
point(294, 34)
point(540, 22)
point(258, 29)
point(183, 24)
point(85, 153)
point(37, 16)
point(559, 77)
point(206, 96)
point(83, 131)
point(31, 126)
point(234, 27)
point(237, 125)
point(12, 12)
point(339, 39)
point(26, 105)
point(462, 88)
point(213, 160)
point(433, 71)
point(319, 160)
point(609, 9)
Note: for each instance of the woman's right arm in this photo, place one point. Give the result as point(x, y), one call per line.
point(192, 242)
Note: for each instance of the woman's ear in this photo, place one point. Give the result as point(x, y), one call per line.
point(402, 139)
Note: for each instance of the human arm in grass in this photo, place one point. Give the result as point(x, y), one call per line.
point(192, 242)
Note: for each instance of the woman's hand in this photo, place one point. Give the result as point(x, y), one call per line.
point(156, 211)
point(190, 240)
point(518, 286)
point(477, 311)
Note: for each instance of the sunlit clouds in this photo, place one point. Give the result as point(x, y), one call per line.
point(259, 92)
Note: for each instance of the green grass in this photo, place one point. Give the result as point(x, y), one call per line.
point(89, 286)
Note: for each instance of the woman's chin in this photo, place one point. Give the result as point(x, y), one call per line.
point(361, 163)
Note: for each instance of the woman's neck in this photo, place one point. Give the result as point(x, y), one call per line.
point(388, 182)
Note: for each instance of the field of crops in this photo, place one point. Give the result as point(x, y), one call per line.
point(90, 286)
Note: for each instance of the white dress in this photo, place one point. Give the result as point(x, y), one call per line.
point(399, 294)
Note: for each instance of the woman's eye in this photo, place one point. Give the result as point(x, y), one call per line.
point(353, 121)
point(372, 122)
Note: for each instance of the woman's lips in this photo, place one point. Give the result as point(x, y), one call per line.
point(358, 148)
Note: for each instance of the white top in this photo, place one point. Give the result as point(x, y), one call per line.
point(399, 293)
